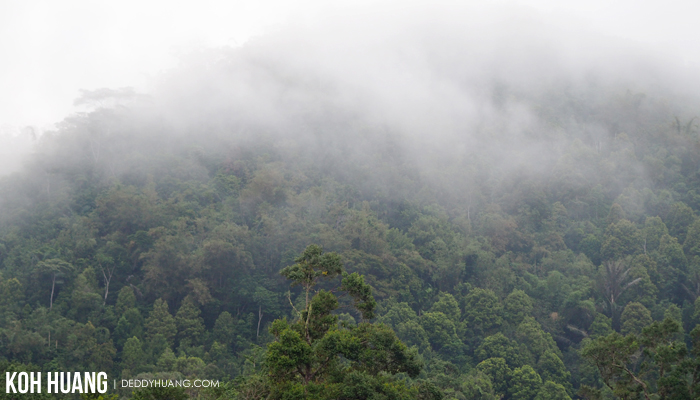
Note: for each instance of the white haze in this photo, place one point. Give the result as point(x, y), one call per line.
point(428, 74)
point(425, 72)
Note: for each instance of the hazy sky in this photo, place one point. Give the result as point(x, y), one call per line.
point(51, 49)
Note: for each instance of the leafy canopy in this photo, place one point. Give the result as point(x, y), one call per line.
point(316, 357)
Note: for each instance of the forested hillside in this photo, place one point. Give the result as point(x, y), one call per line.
point(523, 241)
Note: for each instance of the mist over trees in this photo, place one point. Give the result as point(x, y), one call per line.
point(515, 212)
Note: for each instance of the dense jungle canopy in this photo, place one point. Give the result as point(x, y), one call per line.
point(494, 237)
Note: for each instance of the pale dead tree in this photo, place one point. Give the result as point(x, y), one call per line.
point(613, 282)
point(577, 330)
point(688, 128)
point(107, 273)
point(107, 266)
point(56, 268)
point(260, 315)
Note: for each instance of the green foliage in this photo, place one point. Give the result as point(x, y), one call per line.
point(478, 386)
point(665, 357)
point(552, 391)
point(405, 323)
point(97, 396)
point(57, 269)
point(354, 284)
point(10, 367)
point(691, 245)
point(126, 300)
point(644, 291)
point(190, 326)
point(482, 311)
point(129, 325)
point(635, 317)
point(538, 342)
point(497, 369)
point(499, 346)
point(85, 301)
point(678, 220)
point(160, 393)
point(621, 239)
point(654, 230)
point(311, 266)
point(440, 329)
point(552, 369)
point(447, 305)
point(615, 215)
point(225, 329)
point(525, 383)
point(131, 356)
point(10, 293)
point(484, 267)
point(517, 306)
point(313, 357)
point(161, 322)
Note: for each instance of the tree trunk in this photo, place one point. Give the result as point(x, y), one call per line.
point(106, 293)
point(260, 315)
point(53, 284)
point(107, 280)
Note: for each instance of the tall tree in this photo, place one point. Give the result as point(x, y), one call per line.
point(190, 325)
point(613, 283)
point(654, 364)
point(57, 269)
point(160, 321)
point(314, 357)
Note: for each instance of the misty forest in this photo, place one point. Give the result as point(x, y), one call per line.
point(423, 213)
